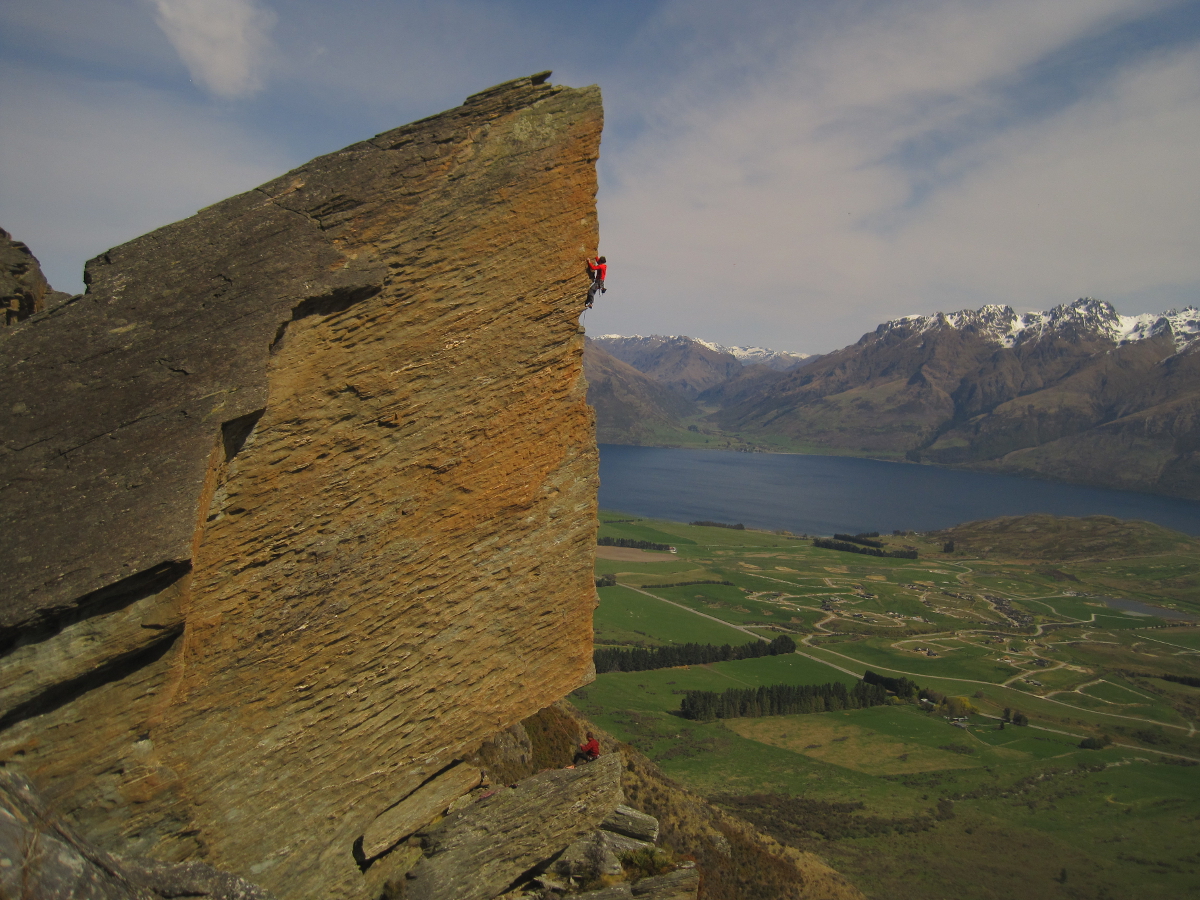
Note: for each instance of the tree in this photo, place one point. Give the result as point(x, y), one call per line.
point(1019, 718)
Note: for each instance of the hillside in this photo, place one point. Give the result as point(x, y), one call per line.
point(631, 408)
point(1065, 538)
point(1079, 393)
point(1037, 739)
point(683, 364)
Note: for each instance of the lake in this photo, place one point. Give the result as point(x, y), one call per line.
point(827, 494)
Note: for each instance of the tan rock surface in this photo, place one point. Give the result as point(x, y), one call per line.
point(349, 408)
point(479, 852)
point(418, 808)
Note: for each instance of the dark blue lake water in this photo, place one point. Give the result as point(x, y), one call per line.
point(825, 494)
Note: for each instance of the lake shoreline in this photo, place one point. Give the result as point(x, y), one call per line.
point(823, 494)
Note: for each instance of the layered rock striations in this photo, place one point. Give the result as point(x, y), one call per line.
point(299, 498)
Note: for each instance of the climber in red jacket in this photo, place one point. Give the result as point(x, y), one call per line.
point(597, 273)
point(588, 751)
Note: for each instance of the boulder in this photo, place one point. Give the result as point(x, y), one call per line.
point(300, 499)
point(589, 857)
point(628, 821)
point(476, 853)
point(682, 884)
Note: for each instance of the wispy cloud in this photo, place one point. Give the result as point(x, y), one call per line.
point(905, 157)
point(223, 43)
point(89, 166)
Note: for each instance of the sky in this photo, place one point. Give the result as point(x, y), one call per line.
point(786, 175)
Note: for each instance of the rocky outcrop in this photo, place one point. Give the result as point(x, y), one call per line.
point(298, 499)
point(23, 288)
point(476, 853)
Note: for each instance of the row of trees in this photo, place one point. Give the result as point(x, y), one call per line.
point(686, 583)
point(640, 659)
point(780, 700)
point(901, 687)
point(707, 524)
point(826, 544)
point(630, 542)
point(864, 539)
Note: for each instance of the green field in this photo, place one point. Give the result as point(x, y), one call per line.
point(980, 811)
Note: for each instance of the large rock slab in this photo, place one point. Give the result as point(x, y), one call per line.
point(630, 822)
point(418, 808)
point(475, 854)
point(339, 422)
point(682, 884)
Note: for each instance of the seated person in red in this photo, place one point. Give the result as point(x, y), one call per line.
point(589, 750)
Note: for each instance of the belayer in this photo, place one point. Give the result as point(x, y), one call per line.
point(587, 751)
point(596, 273)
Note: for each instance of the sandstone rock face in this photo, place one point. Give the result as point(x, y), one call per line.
point(297, 501)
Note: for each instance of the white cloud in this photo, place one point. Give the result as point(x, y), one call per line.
point(89, 166)
point(223, 43)
point(792, 207)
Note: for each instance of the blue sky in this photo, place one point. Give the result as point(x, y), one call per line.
point(780, 174)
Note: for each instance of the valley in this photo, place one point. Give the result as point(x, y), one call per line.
point(1078, 393)
point(1013, 622)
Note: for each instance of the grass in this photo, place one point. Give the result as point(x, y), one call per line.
point(1026, 802)
point(625, 612)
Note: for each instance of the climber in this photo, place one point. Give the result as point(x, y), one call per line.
point(587, 751)
point(597, 274)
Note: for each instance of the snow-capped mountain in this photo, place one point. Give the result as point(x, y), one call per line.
point(1004, 326)
point(763, 356)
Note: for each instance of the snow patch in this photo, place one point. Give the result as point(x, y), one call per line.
point(775, 359)
point(1004, 326)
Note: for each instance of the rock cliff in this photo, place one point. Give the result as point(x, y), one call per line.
point(298, 500)
point(23, 288)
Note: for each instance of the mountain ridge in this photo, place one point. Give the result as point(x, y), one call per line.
point(1076, 393)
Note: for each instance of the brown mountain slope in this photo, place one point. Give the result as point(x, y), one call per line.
point(680, 363)
point(629, 406)
point(1065, 401)
point(1066, 537)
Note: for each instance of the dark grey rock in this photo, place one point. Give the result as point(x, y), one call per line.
point(682, 884)
point(620, 843)
point(476, 853)
point(632, 823)
point(616, 892)
point(590, 856)
point(42, 858)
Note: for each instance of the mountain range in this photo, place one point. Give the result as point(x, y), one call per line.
point(1079, 393)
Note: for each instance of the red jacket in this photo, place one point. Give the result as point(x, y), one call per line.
point(602, 268)
point(591, 748)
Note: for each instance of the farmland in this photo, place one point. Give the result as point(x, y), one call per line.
point(905, 803)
